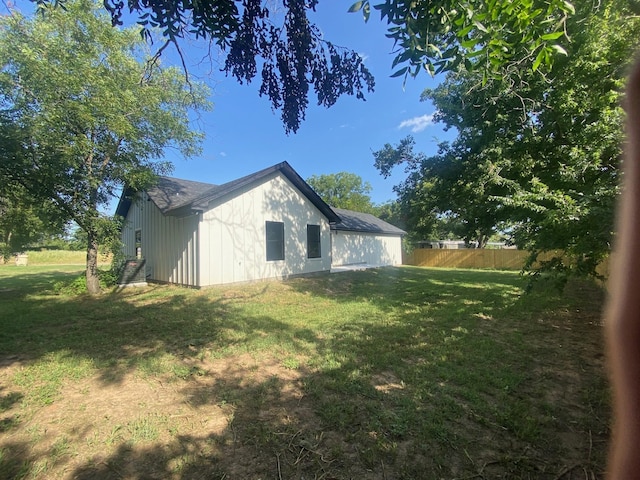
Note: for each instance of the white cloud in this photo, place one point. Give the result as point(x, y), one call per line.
point(223, 154)
point(417, 124)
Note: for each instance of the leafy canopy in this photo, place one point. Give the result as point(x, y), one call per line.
point(278, 41)
point(497, 37)
point(82, 114)
point(343, 190)
point(540, 162)
point(287, 49)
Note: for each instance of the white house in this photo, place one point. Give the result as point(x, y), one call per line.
point(270, 224)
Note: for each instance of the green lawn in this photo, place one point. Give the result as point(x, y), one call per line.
point(59, 257)
point(403, 373)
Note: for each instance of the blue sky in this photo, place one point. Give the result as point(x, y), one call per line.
point(244, 135)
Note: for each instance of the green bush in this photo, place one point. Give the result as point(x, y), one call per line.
point(78, 286)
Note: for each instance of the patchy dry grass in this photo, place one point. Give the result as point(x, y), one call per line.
point(401, 373)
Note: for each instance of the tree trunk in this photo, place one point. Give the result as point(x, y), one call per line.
point(6, 254)
point(93, 281)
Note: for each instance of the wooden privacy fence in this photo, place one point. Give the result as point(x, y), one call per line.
point(467, 258)
point(479, 258)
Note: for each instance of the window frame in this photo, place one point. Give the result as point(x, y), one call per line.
point(316, 241)
point(274, 241)
point(137, 242)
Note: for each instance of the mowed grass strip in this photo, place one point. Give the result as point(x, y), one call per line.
point(402, 373)
point(59, 257)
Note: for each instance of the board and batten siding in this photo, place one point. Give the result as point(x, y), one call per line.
point(232, 235)
point(169, 244)
point(351, 248)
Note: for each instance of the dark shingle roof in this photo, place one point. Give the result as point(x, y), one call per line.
point(179, 197)
point(174, 196)
point(363, 222)
point(168, 194)
point(172, 193)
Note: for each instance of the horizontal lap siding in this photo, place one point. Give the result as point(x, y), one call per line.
point(232, 234)
point(169, 244)
point(355, 248)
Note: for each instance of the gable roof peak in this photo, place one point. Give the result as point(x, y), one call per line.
point(174, 196)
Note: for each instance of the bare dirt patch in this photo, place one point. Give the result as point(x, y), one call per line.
point(213, 425)
point(386, 382)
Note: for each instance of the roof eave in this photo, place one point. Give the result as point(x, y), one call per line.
point(401, 233)
point(183, 211)
point(202, 203)
point(124, 203)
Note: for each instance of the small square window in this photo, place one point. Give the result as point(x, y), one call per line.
point(275, 241)
point(313, 241)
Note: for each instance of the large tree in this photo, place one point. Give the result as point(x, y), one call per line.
point(343, 190)
point(540, 161)
point(444, 190)
point(82, 113)
point(279, 39)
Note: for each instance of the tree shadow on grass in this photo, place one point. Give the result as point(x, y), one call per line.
point(119, 332)
point(14, 286)
point(270, 432)
point(426, 374)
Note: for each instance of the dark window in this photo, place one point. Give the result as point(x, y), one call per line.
point(313, 241)
point(275, 241)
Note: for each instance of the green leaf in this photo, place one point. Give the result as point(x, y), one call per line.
point(568, 6)
point(356, 7)
point(480, 27)
point(469, 44)
point(552, 36)
point(434, 48)
point(403, 57)
point(451, 52)
point(538, 60)
point(477, 53)
point(366, 11)
point(465, 31)
point(429, 68)
point(400, 72)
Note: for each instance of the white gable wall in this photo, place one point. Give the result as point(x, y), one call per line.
point(232, 235)
point(169, 244)
point(349, 248)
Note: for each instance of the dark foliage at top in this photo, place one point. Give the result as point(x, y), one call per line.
point(292, 58)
